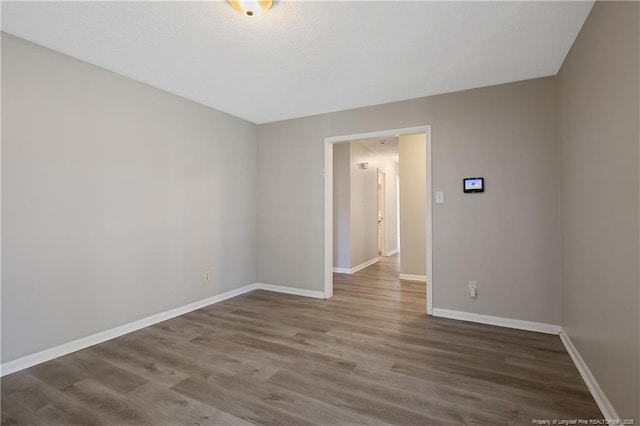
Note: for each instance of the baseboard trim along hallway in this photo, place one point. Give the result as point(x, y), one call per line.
point(356, 268)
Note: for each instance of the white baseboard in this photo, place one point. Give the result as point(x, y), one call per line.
point(605, 406)
point(355, 268)
point(84, 342)
point(290, 290)
point(364, 265)
point(540, 327)
point(392, 252)
point(409, 277)
point(608, 412)
point(102, 336)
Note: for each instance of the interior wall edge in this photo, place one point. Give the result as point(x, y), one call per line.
point(608, 411)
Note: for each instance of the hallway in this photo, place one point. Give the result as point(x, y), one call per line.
point(379, 285)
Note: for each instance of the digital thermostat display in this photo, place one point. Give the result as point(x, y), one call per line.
point(473, 184)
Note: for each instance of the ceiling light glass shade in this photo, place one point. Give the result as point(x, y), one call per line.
point(251, 8)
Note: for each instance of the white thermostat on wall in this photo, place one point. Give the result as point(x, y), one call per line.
point(473, 184)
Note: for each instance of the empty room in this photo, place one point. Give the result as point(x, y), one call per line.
point(320, 212)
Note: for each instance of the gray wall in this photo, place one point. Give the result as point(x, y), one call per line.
point(364, 205)
point(413, 204)
point(507, 239)
point(390, 168)
point(116, 198)
point(598, 120)
point(342, 206)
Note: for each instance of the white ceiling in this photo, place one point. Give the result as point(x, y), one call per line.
point(307, 57)
point(387, 148)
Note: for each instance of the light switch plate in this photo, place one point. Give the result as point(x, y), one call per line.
point(439, 197)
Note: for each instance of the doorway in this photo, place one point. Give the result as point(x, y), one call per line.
point(328, 203)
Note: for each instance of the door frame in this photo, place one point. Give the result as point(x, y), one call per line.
point(328, 202)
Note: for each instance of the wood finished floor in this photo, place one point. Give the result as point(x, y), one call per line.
point(367, 356)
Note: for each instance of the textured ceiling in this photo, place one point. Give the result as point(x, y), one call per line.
point(305, 58)
point(387, 148)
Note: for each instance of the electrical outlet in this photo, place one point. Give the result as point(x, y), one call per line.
point(206, 276)
point(473, 289)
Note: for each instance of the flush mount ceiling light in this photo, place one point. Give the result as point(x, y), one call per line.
point(251, 8)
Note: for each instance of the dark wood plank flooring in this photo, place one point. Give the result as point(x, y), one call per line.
point(369, 355)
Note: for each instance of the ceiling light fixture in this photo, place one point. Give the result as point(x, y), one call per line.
point(251, 8)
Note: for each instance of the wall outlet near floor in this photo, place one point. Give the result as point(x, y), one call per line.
point(206, 276)
point(473, 289)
